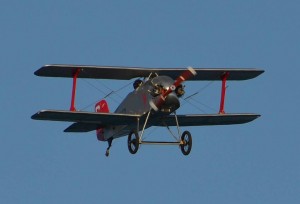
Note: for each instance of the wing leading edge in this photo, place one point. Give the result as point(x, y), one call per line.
point(126, 73)
point(206, 119)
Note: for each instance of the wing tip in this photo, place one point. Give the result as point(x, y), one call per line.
point(35, 116)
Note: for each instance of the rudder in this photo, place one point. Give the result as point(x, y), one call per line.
point(101, 107)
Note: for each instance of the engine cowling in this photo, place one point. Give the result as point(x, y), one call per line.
point(160, 100)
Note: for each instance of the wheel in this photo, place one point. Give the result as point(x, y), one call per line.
point(133, 142)
point(186, 139)
point(107, 153)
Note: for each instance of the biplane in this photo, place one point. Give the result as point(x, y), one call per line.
point(153, 102)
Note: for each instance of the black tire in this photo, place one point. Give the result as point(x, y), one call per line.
point(133, 142)
point(186, 147)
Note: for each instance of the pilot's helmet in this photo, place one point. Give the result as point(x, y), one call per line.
point(137, 83)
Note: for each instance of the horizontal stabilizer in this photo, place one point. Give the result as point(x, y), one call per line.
point(82, 127)
point(101, 119)
point(206, 119)
point(126, 73)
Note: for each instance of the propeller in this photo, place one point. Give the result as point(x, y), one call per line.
point(156, 105)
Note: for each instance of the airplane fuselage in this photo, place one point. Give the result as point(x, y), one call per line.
point(138, 102)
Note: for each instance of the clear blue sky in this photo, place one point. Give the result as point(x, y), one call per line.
point(252, 163)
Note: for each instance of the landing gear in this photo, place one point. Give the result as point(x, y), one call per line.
point(133, 142)
point(135, 139)
point(109, 146)
point(186, 140)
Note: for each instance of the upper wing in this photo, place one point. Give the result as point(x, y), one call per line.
point(101, 119)
point(205, 119)
point(126, 73)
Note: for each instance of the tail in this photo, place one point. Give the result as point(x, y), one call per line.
point(101, 107)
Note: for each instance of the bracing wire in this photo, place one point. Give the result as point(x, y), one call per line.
point(111, 90)
point(106, 95)
point(195, 106)
point(98, 89)
point(191, 98)
point(207, 106)
point(200, 90)
point(92, 85)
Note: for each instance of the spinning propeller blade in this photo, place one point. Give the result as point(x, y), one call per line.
point(156, 105)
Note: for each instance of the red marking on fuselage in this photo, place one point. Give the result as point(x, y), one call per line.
point(101, 107)
point(144, 97)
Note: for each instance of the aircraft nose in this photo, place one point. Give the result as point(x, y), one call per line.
point(171, 104)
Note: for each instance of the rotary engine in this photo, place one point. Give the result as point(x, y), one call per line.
point(166, 91)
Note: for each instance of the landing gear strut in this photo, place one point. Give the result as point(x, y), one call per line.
point(135, 139)
point(109, 146)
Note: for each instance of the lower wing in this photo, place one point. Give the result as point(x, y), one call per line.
point(89, 121)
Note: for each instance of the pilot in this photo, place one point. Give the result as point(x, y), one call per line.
point(137, 83)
